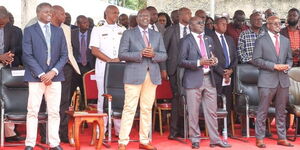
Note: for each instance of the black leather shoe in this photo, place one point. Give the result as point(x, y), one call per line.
point(56, 148)
point(43, 140)
point(221, 144)
point(195, 145)
point(14, 139)
point(28, 148)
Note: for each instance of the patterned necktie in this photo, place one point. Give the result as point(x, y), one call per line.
point(202, 49)
point(83, 50)
point(48, 41)
point(184, 31)
point(225, 51)
point(277, 47)
point(146, 40)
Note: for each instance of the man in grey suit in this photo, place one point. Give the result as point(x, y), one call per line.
point(272, 54)
point(142, 49)
point(198, 80)
point(44, 55)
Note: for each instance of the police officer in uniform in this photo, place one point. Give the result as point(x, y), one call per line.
point(105, 40)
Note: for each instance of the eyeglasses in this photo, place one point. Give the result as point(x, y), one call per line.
point(275, 23)
point(200, 22)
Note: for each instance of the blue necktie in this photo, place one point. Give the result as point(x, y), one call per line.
point(224, 47)
point(48, 41)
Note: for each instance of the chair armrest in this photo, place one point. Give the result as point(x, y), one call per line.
point(108, 96)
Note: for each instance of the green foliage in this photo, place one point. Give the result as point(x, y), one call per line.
point(136, 4)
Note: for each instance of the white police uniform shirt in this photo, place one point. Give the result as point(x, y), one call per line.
point(107, 38)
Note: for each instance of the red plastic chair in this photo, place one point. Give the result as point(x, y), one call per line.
point(90, 89)
point(163, 92)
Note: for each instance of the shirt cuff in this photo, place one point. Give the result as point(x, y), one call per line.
point(198, 63)
point(55, 70)
point(41, 74)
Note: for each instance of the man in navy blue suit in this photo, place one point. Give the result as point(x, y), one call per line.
point(44, 56)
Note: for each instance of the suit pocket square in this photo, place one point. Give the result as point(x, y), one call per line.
point(209, 46)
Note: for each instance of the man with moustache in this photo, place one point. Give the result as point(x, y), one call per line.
point(272, 55)
point(198, 80)
point(104, 43)
point(172, 38)
point(142, 49)
point(44, 55)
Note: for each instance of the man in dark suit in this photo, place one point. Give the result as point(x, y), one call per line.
point(10, 45)
point(142, 49)
point(225, 51)
point(80, 38)
point(172, 37)
point(197, 59)
point(272, 54)
point(44, 54)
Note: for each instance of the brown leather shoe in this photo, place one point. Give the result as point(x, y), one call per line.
point(122, 147)
point(284, 143)
point(147, 146)
point(260, 143)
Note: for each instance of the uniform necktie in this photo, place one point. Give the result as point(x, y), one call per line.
point(83, 50)
point(153, 27)
point(225, 51)
point(146, 40)
point(277, 47)
point(184, 31)
point(202, 49)
point(48, 41)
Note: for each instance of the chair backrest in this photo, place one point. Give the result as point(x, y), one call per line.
point(14, 91)
point(164, 90)
point(294, 89)
point(114, 85)
point(90, 86)
point(246, 82)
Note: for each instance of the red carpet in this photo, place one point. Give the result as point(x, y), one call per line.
point(162, 143)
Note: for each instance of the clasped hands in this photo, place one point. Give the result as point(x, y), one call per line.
point(148, 52)
point(7, 58)
point(47, 78)
point(281, 67)
point(212, 61)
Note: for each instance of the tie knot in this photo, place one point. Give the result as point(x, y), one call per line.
point(82, 35)
point(276, 35)
point(200, 36)
point(46, 26)
point(221, 36)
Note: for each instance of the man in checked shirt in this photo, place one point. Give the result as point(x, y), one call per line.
point(247, 38)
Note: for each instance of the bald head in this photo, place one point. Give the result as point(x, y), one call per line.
point(273, 24)
point(111, 14)
point(185, 15)
point(3, 16)
point(201, 13)
point(58, 15)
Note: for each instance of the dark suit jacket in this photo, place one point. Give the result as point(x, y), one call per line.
point(189, 54)
point(76, 47)
point(171, 41)
point(218, 51)
point(265, 57)
point(35, 52)
point(13, 42)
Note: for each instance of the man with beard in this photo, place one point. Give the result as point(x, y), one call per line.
point(272, 55)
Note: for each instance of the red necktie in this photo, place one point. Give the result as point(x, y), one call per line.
point(277, 46)
point(202, 49)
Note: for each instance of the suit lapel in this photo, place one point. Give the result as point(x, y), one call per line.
point(271, 44)
point(151, 35)
point(207, 46)
point(40, 32)
point(139, 36)
point(194, 43)
point(177, 32)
